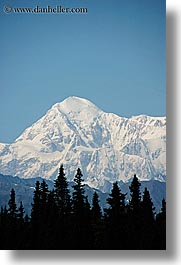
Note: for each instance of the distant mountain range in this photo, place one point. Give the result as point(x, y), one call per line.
point(24, 189)
point(105, 146)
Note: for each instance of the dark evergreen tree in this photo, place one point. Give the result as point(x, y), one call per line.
point(52, 211)
point(134, 217)
point(87, 212)
point(96, 209)
point(27, 219)
point(63, 207)
point(62, 194)
point(88, 237)
point(56, 225)
point(147, 222)
point(135, 201)
point(163, 209)
point(4, 229)
point(4, 214)
point(147, 207)
point(81, 234)
point(43, 202)
point(161, 216)
point(160, 238)
point(35, 212)
point(52, 207)
point(78, 195)
point(43, 193)
point(21, 226)
point(12, 210)
point(11, 226)
point(21, 213)
point(97, 223)
point(36, 239)
point(115, 219)
point(116, 201)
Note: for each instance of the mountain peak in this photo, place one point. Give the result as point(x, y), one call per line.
point(78, 134)
point(79, 107)
point(74, 103)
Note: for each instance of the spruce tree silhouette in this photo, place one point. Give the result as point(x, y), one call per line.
point(81, 211)
point(160, 238)
point(43, 194)
point(21, 226)
point(116, 201)
point(53, 222)
point(36, 218)
point(12, 220)
point(135, 201)
point(63, 203)
point(97, 223)
point(115, 218)
point(12, 210)
point(20, 214)
point(134, 219)
point(4, 229)
point(35, 211)
point(43, 216)
point(78, 199)
point(147, 233)
point(96, 209)
point(147, 207)
point(62, 193)
point(163, 210)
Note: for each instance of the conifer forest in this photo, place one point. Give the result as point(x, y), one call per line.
point(63, 221)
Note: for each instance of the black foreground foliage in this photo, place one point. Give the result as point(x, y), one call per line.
point(59, 221)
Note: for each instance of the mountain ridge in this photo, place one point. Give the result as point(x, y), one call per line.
point(77, 133)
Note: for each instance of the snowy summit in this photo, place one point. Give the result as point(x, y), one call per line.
point(77, 107)
point(77, 133)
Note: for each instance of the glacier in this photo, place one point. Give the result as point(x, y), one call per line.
point(76, 133)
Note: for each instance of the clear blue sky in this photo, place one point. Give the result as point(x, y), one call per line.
point(113, 56)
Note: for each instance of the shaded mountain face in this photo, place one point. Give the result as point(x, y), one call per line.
point(78, 134)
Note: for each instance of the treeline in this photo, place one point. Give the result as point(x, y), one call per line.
point(61, 221)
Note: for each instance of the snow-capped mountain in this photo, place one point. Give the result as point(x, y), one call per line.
point(78, 134)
